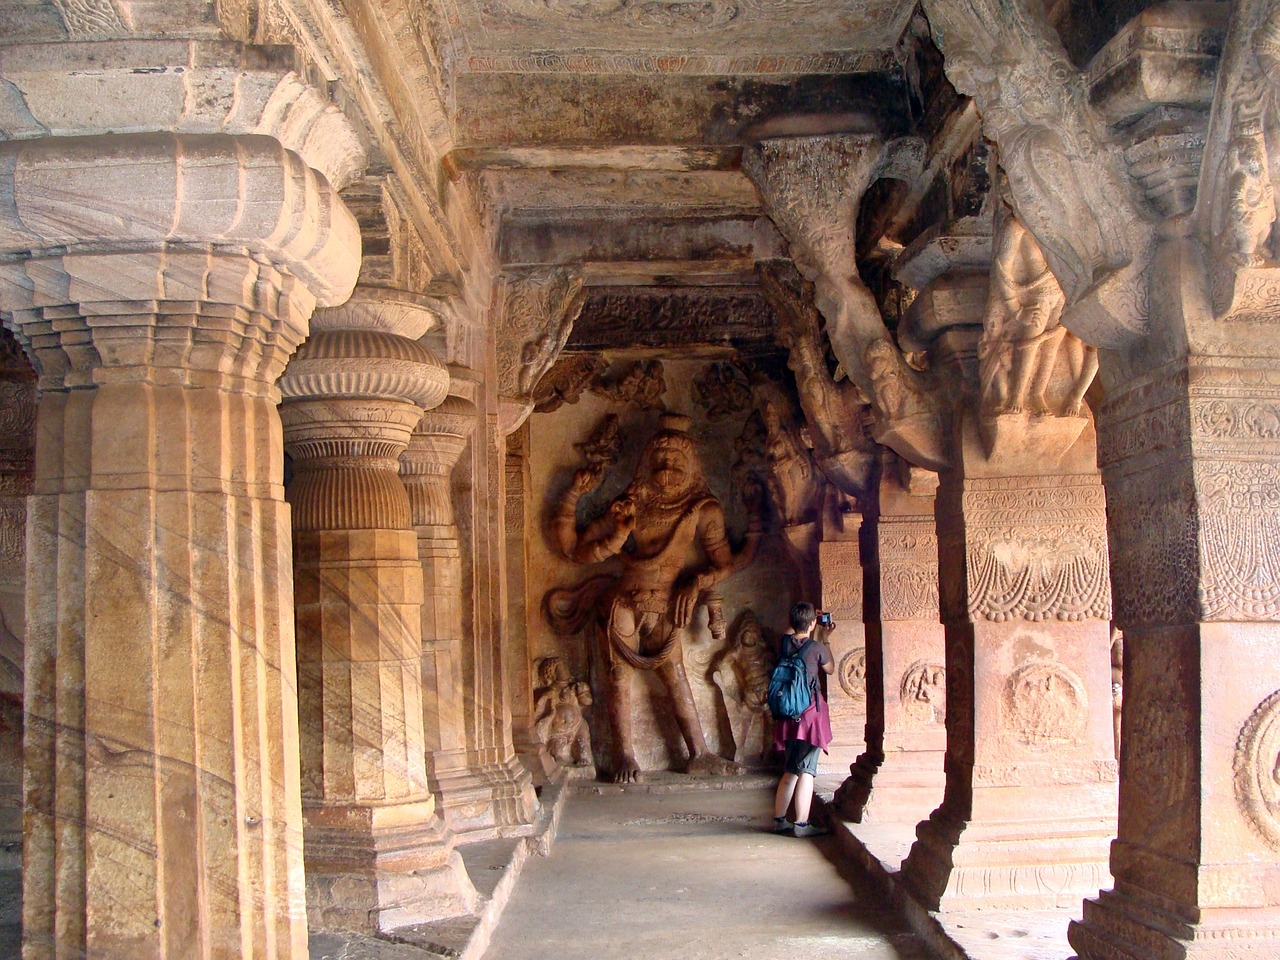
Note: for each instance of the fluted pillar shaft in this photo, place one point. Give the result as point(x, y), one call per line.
point(162, 802)
point(427, 467)
point(377, 855)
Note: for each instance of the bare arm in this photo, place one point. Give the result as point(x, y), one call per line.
point(604, 536)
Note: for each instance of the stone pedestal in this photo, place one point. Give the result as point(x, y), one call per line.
point(900, 778)
point(377, 855)
point(1030, 798)
point(840, 569)
point(1190, 455)
point(162, 802)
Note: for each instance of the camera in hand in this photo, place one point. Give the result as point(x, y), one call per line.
point(824, 619)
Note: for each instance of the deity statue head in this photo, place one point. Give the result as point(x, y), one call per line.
point(552, 670)
point(669, 468)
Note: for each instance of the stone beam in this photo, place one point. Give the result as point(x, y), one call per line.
point(569, 242)
point(503, 110)
point(622, 157)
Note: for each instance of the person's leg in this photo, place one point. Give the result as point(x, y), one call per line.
point(782, 799)
point(803, 796)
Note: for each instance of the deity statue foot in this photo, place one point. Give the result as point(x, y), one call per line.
point(712, 765)
point(628, 771)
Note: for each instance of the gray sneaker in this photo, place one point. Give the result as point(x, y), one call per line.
point(781, 825)
point(808, 830)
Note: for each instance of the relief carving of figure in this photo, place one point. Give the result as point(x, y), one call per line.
point(1248, 208)
point(894, 395)
point(794, 483)
point(833, 408)
point(742, 674)
point(644, 384)
point(1022, 336)
point(557, 713)
point(641, 616)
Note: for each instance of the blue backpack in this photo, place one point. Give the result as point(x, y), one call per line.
point(789, 691)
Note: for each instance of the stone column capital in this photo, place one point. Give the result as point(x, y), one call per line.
point(134, 196)
point(133, 86)
point(401, 313)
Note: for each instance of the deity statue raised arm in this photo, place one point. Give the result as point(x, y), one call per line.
point(642, 615)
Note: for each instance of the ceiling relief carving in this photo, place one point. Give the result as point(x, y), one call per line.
point(630, 317)
point(726, 37)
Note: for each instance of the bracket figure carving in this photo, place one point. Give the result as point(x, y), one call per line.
point(1069, 182)
point(834, 409)
point(538, 312)
point(1023, 340)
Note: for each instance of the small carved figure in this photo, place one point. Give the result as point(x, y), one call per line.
point(557, 713)
point(794, 482)
point(722, 390)
point(566, 380)
point(742, 674)
point(641, 616)
point(1249, 210)
point(644, 384)
point(894, 396)
point(604, 445)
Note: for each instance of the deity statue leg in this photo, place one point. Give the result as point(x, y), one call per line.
point(673, 677)
point(620, 629)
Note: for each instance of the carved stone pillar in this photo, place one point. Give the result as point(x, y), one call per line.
point(377, 855)
point(160, 282)
point(17, 450)
point(427, 468)
point(490, 751)
point(841, 572)
point(1025, 599)
point(900, 778)
point(531, 750)
point(1190, 449)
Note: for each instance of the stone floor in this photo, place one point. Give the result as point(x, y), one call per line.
point(693, 874)
point(875, 851)
point(673, 868)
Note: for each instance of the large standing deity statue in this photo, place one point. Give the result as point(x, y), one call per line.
point(653, 527)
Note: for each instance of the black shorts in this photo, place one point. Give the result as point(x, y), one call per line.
point(802, 757)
